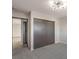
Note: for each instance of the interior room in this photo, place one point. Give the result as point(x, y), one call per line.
point(39, 29)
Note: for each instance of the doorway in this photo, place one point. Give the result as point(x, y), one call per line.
point(24, 27)
point(19, 32)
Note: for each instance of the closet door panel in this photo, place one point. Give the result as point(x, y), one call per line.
point(39, 33)
point(43, 33)
point(50, 32)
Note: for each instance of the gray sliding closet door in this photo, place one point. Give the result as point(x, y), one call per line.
point(43, 33)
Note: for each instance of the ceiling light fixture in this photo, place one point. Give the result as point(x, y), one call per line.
point(57, 4)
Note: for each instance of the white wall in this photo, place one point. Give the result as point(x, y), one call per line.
point(35, 14)
point(63, 30)
point(16, 13)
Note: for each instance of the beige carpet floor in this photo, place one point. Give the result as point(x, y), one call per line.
point(54, 51)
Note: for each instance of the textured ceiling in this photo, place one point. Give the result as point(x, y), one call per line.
point(38, 5)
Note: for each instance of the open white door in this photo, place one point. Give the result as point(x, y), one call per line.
point(16, 35)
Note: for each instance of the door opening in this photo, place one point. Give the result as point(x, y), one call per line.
point(25, 44)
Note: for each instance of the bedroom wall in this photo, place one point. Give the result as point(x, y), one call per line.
point(63, 30)
point(35, 14)
point(60, 25)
